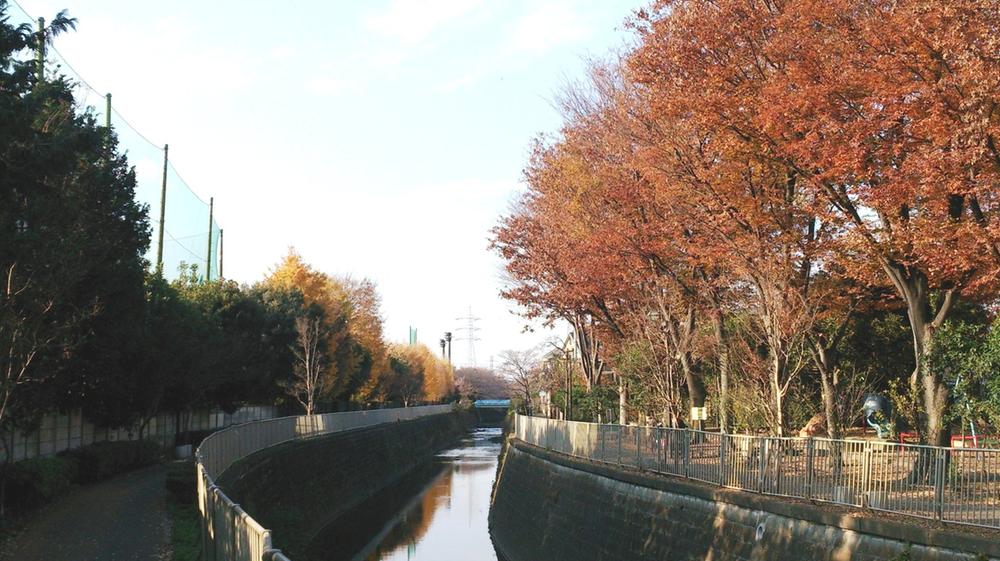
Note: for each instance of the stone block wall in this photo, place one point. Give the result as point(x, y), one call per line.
point(550, 507)
point(298, 488)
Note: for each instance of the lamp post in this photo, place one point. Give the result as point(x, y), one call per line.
point(447, 339)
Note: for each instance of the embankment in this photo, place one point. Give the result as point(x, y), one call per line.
point(298, 488)
point(552, 507)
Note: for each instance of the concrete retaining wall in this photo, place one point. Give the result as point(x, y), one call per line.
point(552, 507)
point(298, 488)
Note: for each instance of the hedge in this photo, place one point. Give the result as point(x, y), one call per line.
point(107, 459)
point(31, 483)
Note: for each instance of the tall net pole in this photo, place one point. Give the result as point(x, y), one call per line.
point(208, 252)
point(221, 277)
point(163, 212)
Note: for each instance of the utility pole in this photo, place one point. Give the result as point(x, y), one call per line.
point(40, 51)
point(107, 113)
point(442, 348)
point(208, 253)
point(163, 212)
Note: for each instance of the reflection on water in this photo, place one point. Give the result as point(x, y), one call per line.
point(449, 520)
point(438, 513)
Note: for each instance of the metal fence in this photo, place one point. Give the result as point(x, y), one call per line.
point(228, 532)
point(960, 485)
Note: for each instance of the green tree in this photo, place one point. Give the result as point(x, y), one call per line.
point(71, 238)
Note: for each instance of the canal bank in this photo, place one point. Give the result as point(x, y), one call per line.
point(550, 506)
point(298, 488)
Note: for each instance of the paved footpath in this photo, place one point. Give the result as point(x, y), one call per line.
point(122, 519)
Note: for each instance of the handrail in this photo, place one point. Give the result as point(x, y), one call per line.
point(228, 532)
point(958, 485)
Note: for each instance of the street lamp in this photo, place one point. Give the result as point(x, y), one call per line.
point(447, 339)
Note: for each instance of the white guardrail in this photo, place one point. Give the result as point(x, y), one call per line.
point(228, 533)
point(960, 485)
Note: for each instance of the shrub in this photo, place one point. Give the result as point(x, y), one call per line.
point(34, 482)
point(182, 482)
point(193, 437)
point(106, 459)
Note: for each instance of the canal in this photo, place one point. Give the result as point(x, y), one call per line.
point(438, 513)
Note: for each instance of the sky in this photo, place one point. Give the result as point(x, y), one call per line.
point(380, 138)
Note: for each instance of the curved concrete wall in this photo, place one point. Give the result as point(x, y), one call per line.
point(300, 487)
point(552, 507)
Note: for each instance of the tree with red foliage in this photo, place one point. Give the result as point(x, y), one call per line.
point(883, 111)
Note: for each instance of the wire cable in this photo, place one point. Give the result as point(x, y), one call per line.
point(75, 77)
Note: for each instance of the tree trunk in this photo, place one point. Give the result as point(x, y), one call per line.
point(924, 381)
point(589, 349)
point(828, 387)
point(776, 393)
point(622, 400)
point(695, 387)
point(681, 335)
point(722, 354)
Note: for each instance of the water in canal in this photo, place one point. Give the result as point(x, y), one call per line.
point(438, 513)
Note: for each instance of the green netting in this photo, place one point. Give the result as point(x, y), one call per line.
point(186, 219)
point(186, 230)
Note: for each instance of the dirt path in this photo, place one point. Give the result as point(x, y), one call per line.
point(123, 519)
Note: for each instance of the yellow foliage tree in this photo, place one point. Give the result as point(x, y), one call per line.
point(417, 374)
point(320, 290)
point(366, 329)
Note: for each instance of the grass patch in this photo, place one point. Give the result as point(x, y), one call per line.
point(182, 503)
point(185, 533)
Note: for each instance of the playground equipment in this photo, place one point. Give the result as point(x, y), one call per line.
point(877, 409)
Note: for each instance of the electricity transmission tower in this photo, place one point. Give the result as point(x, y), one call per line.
point(467, 333)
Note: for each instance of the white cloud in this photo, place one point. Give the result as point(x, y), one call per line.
point(282, 53)
point(410, 21)
point(326, 85)
point(546, 26)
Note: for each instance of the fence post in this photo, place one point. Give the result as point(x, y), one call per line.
point(723, 452)
point(658, 447)
point(619, 431)
point(601, 433)
point(940, 465)
point(687, 452)
point(762, 474)
point(809, 468)
point(866, 475)
point(776, 486)
point(236, 527)
point(638, 448)
point(654, 447)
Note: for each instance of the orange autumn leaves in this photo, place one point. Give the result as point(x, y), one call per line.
point(359, 363)
point(788, 157)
